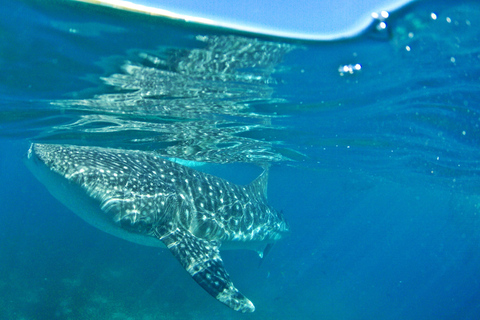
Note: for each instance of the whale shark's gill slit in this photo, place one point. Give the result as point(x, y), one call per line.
point(201, 259)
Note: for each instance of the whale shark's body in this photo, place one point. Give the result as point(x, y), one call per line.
point(153, 201)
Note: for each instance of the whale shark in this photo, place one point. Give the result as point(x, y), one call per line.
point(147, 199)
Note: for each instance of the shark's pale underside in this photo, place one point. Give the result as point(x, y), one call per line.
point(153, 201)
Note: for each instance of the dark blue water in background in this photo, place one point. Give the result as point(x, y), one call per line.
point(375, 169)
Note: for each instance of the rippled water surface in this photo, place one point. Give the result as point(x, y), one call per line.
point(372, 143)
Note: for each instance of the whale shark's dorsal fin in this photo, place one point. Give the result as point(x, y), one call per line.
point(259, 185)
point(201, 259)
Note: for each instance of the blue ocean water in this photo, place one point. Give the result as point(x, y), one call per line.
point(372, 144)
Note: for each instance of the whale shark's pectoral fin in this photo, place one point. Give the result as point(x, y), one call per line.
point(201, 258)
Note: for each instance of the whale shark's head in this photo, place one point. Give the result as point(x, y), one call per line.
point(54, 167)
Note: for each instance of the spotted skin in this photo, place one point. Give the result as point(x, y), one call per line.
point(153, 201)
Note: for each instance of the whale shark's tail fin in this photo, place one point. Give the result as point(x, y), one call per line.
point(201, 258)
